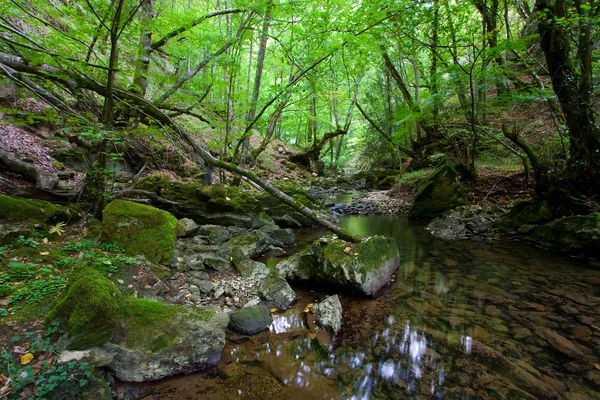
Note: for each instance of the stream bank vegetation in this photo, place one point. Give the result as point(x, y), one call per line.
point(162, 146)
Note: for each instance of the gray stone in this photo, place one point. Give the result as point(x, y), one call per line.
point(194, 290)
point(202, 275)
point(215, 262)
point(215, 234)
point(253, 302)
point(197, 344)
point(160, 287)
point(186, 227)
point(251, 320)
point(365, 267)
point(276, 292)
point(329, 314)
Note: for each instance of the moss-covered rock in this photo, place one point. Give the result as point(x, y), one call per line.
point(276, 292)
point(575, 234)
point(525, 217)
point(20, 209)
point(148, 340)
point(140, 230)
point(365, 267)
point(440, 193)
point(88, 309)
point(199, 201)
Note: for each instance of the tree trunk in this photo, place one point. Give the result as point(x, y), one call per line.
point(572, 92)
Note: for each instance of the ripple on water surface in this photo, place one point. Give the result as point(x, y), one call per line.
point(470, 319)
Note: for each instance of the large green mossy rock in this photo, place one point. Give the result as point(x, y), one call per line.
point(88, 309)
point(140, 230)
point(137, 339)
point(574, 234)
point(440, 193)
point(365, 267)
point(20, 209)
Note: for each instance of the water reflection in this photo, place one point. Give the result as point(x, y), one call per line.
point(455, 310)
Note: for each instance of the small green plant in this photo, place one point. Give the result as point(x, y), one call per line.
point(82, 245)
point(111, 247)
point(3, 250)
point(23, 241)
point(67, 380)
point(58, 229)
point(37, 290)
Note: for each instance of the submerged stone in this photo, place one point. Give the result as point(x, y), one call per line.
point(365, 267)
point(140, 230)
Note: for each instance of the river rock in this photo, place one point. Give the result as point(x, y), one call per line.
point(464, 222)
point(560, 343)
point(276, 292)
point(365, 267)
point(251, 320)
point(329, 314)
point(186, 227)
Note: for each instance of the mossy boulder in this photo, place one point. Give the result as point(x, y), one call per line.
point(88, 309)
point(525, 217)
point(140, 339)
point(199, 201)
point(21, 209)
point(365, 267)
point(140, 230)
point(440, 193)
point(575, 234)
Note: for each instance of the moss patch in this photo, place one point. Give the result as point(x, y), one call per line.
point(140, 229)
point(88, 308)
point(20, 209)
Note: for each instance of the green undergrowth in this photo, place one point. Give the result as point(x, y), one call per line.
point(34, 271)
point(41, 377)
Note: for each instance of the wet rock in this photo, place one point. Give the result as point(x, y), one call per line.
point(493, 311)
point(365, 267)
point(521, 333)
point(464, 222)
point(581, 332)
point(276, 292)
point(560, 343)
point(251, 320)
point(252, 302)
point(186, 227)
point(329, 314)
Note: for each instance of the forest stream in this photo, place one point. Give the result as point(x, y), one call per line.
point(463, 319)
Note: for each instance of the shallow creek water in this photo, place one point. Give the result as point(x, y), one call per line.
point(463, 320)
